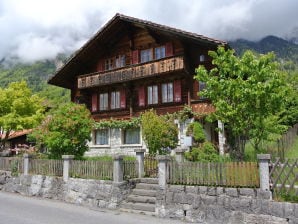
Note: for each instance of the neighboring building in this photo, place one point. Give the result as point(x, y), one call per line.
point(132, 65)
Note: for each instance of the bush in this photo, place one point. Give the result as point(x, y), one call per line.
point(205, 153)
point(196, 130)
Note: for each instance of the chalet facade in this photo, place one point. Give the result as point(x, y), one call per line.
point(132, 65)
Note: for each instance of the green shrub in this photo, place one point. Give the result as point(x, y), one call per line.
point(196, 130)
point(205, 153)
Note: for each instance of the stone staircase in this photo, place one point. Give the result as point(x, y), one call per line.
point(142, 198)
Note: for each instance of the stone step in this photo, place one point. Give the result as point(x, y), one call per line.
point(139, 206)
point(141, 199)
point(147, 186)
point(142, 192)
point(149, 180)
point(137, 211)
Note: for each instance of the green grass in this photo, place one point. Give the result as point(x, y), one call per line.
point(292, 153)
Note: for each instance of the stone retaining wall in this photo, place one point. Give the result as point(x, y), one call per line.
point(92, 193)
point(201, 204)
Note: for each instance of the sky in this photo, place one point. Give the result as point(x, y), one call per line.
point(34, 30)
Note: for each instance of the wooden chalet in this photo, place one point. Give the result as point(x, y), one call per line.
point(132, 65)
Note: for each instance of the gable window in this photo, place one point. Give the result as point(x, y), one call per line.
point(120, 61)
point(152, 94)
point(101, 137)
point(115, 100)
point(131, 136)
point(109, 64)
point(103, 101)
point(146, 55)
point(167, 92)
point(160, 52)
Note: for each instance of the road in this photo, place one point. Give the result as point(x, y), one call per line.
point(17, 209)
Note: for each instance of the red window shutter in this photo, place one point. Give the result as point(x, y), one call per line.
point(141, 93)
point(177, 91)
point(135, 57)
point(122, 98)
point(94, 102)
point(100, 65)
point(169, 49)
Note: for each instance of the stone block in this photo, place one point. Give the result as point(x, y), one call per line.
point(203, 190)
point(176, 188)
point(293, 220)
point(276, 209)
point(192, 189)
point(190, 198)
point(208, 200)
point(256, 206)
point(289, 209)
point(211, 191)
point(221, 200)
point(169, 197)
point(265, 207)
point(264, 194)
point(196, 202)
point(219, 191)
point(232, 192)
point(179, 198)
point(247, 192)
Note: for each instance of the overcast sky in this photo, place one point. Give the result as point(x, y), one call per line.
point(40, 29)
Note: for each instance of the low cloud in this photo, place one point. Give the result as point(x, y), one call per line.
point(36, 30)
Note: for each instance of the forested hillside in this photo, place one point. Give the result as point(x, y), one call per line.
point(36, 75)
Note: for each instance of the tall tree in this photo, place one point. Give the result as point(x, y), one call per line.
point(19, 109)
point(65, 131)
point(249, 94)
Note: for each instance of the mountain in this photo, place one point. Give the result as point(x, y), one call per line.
point(284, 49)
point(36, 75)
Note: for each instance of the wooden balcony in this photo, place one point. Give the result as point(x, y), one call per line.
point(132, 72)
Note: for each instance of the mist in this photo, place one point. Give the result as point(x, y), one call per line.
point(34, 30)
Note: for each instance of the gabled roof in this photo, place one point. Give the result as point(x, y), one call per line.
point(65, 75)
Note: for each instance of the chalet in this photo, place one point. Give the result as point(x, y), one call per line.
point(132, 65)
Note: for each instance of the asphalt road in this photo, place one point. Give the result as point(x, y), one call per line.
point(17, 209)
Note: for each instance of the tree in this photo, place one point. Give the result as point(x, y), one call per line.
point(19, 109)
point(65, 131)
point(159, 133)
point(249, 95)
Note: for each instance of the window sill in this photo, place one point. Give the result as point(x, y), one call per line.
point(100, 146)
point(130, 145)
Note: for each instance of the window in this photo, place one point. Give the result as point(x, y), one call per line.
point(202, 58)
point(120, 61)
point(167, 92)
point(160, 52)
point(202, 86)
point(101, 137)
point(152, 94)
point(115, 100)
point(146, 55)
point(131, 136)
point(103, 101)
point(109, 64)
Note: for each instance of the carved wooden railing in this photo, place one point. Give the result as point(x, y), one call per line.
point(131, 73)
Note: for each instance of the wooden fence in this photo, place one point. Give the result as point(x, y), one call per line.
point(13, 164)
point(278, 148)
point(284, 176)
point(130, 169)
point(150, 165)
point(46, 167)
point(229, 174)
point(92, 169)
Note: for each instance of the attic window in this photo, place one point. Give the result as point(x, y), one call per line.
point(120, 61)
point(109, 64)
point(202, 58)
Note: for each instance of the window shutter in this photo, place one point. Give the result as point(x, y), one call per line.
point(135, 57)
point(177, 90)
point(169, 49)
point(141, 94)
point(94, 102)
point(122, 98)
point(100, 65)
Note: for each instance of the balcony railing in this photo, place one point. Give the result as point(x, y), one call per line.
point(133, 72)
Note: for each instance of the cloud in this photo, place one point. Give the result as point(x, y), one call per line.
point(35, 30)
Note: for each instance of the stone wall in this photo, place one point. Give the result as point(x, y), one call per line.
point(202, 204)
point(92, 193)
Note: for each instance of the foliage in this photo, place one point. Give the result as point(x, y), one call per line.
point(196, 130)
point(287, 196)
point(205, 153)
point(249, 95)
point(159, 133)
point(123, 124)
point(65, 131)
point(19, 109)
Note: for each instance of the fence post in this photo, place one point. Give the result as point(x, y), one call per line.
point(66, 166)
point(140, 158)
point(118, 168)
point(179, 151)
point(264, 160)
point(27, 158)
point(162, 170)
